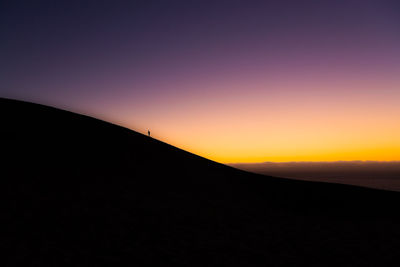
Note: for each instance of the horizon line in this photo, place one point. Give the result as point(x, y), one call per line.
point(317, 161)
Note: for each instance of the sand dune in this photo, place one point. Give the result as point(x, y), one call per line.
point(83, 192)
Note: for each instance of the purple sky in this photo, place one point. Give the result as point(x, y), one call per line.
point(221, 64)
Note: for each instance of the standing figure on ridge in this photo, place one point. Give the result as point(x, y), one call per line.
point(148, 133)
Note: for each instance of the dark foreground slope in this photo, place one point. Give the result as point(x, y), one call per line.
point(83, 192)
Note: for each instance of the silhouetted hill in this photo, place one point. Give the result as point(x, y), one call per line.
point(84, 192)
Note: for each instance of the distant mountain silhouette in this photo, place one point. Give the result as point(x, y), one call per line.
point(84, 192)
point(375, 174)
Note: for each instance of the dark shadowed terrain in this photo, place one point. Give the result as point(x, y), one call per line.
point(83, 192)
point(374, 174)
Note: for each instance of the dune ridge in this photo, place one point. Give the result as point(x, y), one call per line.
point(83, 192)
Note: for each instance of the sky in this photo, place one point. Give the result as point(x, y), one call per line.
point(233, 81)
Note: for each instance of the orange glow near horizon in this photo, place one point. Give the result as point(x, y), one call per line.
point(314, 125)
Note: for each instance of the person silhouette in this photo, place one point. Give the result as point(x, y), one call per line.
point(148, 132)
